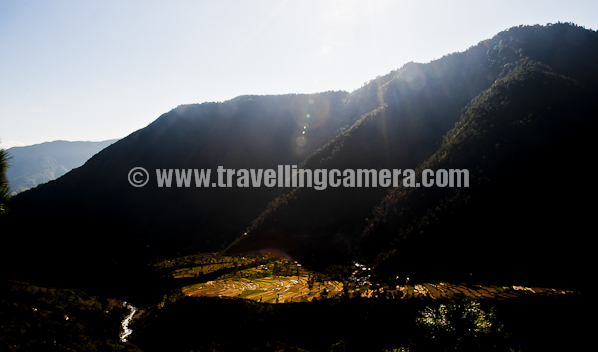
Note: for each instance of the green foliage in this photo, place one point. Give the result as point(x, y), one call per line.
point(461, 325)
point(465, 315)
point(4, 186)
point(338, 347)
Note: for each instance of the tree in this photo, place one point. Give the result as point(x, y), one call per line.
point(4, 189)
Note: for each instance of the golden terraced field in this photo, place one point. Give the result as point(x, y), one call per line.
point(271, 279)
point(296, 289)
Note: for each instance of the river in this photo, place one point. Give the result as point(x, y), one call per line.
point(125, 323)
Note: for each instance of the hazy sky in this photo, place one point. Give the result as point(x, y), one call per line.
point(97, 70)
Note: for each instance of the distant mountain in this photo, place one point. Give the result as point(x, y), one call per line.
point(40, 163)
point(508, 109)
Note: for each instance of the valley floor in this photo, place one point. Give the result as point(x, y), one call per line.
point(297, 289)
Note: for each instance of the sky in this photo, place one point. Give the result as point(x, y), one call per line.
point(82, 70)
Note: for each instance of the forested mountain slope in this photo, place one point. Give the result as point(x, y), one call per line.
point(423, 106)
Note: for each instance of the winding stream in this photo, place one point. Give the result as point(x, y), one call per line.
point(125, 323)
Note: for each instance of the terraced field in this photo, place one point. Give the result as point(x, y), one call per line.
point(268, 290)
point(447, 290)
point(271, 279)
point(296, 289)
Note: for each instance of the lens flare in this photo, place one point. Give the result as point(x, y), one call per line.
point(301, 141)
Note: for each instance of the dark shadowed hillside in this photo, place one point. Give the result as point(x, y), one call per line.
point(524, 217)
point(97, 210)
point(421, 106)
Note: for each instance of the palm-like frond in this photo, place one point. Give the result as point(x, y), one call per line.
point(4, 187)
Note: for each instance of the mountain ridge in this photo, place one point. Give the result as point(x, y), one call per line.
point(398, 120)
point(43, 162)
